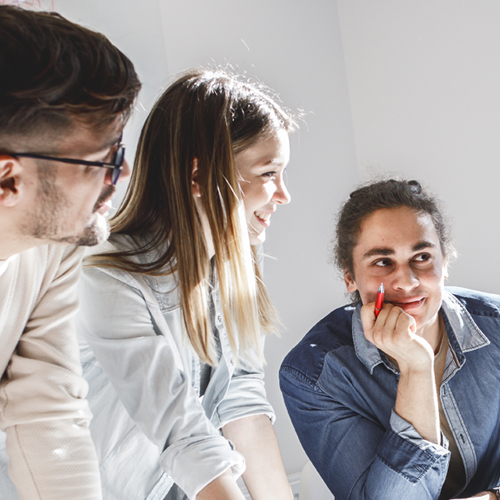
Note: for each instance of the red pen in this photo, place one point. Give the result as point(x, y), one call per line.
point(380, 300)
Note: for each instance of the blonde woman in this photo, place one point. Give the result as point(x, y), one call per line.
point(173, 308)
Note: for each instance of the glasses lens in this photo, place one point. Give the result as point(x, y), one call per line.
point(115, 174)
point(119, 156)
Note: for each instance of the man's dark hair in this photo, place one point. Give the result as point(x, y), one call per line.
point(53, 71)
point(390, 193)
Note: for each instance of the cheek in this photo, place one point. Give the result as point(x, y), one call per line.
point(254, 195)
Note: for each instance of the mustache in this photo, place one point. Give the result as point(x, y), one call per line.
point(106, 195)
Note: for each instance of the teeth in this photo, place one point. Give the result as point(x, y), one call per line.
point(263, 216)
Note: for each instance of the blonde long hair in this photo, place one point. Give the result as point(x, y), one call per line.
point(210, 116)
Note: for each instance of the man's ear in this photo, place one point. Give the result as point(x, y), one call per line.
point(10, 183)
point(445, 270)
point(350, 284)
point(195, 183)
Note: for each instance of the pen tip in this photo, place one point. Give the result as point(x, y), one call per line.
point(381, 288)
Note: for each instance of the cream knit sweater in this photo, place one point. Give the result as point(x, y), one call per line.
point(42, 407)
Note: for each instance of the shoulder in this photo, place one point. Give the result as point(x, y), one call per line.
point(45, 264)
point(477, 303)
point(331, 333)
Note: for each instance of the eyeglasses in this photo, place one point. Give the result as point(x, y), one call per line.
point(116, 163)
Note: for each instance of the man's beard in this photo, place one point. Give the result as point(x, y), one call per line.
point(53, 206)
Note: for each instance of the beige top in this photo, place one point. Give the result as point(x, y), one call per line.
point(455, 478)
point(42, 406)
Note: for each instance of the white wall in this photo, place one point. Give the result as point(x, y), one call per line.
point(295, 48)
point(424, 84)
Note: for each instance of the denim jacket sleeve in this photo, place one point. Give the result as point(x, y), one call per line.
point(356, 456)
point(143, 367)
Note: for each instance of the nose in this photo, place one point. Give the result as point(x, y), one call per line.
point(404, 278)
point(281, 195)
point(124, 174)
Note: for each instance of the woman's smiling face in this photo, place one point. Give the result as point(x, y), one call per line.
point(400, 248)
point(260, 169)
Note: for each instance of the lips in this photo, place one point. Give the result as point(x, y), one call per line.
point(263, 217)
point(105, 207)
point(103, 204)
point(408, 304)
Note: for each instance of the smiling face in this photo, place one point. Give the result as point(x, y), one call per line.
point(400, 248)
point(260, 168)
point(68, 202)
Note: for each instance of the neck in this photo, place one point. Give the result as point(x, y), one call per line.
point(12, 242)
point(433, 332)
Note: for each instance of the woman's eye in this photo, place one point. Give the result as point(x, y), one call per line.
point(383, 262)
point(269, 174)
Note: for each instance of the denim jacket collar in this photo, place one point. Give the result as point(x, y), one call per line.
point(463, 334)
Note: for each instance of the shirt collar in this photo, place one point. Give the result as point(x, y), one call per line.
point(463, 333)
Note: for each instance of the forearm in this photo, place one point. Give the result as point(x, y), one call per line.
point(265, 475)
point(417, 403)
point(223, 487)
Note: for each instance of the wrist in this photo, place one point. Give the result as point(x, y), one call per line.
point(495, 493)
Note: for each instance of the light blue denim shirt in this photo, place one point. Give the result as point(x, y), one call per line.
point(340, 392)
point(151, 428)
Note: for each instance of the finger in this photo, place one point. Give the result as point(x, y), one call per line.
point(407, 321)
point(372, 324)
point(368, 319)
point(385, 332)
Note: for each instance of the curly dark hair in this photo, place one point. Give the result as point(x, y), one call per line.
point(54, 71)
point(367, 199)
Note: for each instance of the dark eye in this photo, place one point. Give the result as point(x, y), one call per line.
point(383, 262)
point(422, 257)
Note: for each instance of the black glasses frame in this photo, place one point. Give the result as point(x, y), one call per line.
point(116, 163)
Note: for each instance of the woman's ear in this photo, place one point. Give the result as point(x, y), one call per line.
point(349, 282)
point(195, 183)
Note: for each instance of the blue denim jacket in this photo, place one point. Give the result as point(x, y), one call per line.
point(340, 392)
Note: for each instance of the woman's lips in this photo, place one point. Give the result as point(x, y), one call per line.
point(264, 218)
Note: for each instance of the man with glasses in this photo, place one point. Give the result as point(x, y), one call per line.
point(65, 95)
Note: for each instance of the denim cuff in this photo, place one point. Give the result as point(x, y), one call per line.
point(400, 426)
point(404, 451)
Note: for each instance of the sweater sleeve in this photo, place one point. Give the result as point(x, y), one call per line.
point(42, 407)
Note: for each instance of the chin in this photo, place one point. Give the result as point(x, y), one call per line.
point(94, 233)
point(257, 239)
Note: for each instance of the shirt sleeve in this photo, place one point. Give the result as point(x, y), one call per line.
point(140, 362)
point(43, 411)
point(246, 395)
point(355, 455)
